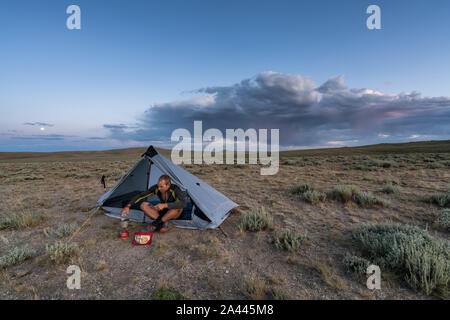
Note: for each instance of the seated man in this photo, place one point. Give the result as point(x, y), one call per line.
point(173, 200)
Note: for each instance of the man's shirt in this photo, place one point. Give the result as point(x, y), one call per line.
point(175, 198)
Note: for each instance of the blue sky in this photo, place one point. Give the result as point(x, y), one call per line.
point(137, 64)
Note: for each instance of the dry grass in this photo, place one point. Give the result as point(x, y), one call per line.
point(329, 275)
point(198, 261)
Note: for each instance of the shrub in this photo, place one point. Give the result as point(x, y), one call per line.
point(423, 260)
point(356, 264)
point(62, 252)
point(390, 188)
point(313, 196)
point(288, 240)
point(441, 199)
point(307, 193)
point(443, 220)
point(61, 232)
point(301, 188)
point(343, 193)
point(16, 256)
point(165, 293)
point(368, 200)
point(253, 287)
point(435, 165)
point(20, 220)
point(256, 220)
point(352, 193)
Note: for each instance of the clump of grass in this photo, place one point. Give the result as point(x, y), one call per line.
point(435, 165)
point(163, 292)
point(441, 199)
point(205, 252)
point(443, 221)
point(313, 197)
point(308, 193)
point(253, 287)
point(257, 220)
point(16, 256)
point(62, 252)
point(368, 200)
point(423, 260)
point(329, 275)
point(62, 231)
point(21, 220)
point(356, 264)
point(389, 188)
point(288, 240)
point(374, 164)
point(301, 188)
point(343, 193)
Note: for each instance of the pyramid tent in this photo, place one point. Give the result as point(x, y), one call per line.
point(206, 207)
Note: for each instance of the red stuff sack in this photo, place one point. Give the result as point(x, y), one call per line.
point(142, 238)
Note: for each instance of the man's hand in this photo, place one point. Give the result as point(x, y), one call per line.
point(160, 206)
point(126, 210)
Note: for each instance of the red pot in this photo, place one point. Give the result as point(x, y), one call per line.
point(124, 235)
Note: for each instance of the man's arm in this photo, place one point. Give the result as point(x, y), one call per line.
point(142, 195)
point(180, 200)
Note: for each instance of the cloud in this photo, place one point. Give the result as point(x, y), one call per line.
point(41, 137)
point(40, 124)
point(305, 113)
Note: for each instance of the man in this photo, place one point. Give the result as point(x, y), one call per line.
point(173, 200)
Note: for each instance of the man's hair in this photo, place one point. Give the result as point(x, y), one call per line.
point(165, 178)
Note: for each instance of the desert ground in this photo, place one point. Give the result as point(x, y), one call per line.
point(46, 225)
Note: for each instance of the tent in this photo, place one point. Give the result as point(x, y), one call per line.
point(206, 207)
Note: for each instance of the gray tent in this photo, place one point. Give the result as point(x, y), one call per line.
point(207, 208)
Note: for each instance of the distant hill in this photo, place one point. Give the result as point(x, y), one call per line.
point(134, 153)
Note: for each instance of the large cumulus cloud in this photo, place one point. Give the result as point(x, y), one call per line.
point(305, 113)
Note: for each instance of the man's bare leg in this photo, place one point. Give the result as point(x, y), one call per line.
point(172, 214)
point(149, 210)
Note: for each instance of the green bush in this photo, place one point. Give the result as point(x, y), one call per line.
point(356, 264)
point(423, 260)
point(443, 220)
point(165, 293)
point(62, 231)
point(301, 188)
point(20, 220)
point(441, 199)
point(288, 239)
point(307, 193)
point(256, 220)
point(390, 188)
point(365, 199)
point(313, 196)
point(17, 256)
point(62, 252)
point(368, 200)
point(343, 193)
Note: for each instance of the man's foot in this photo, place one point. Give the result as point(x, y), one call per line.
point(166, 227)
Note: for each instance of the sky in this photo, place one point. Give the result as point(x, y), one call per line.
point(138, 70)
